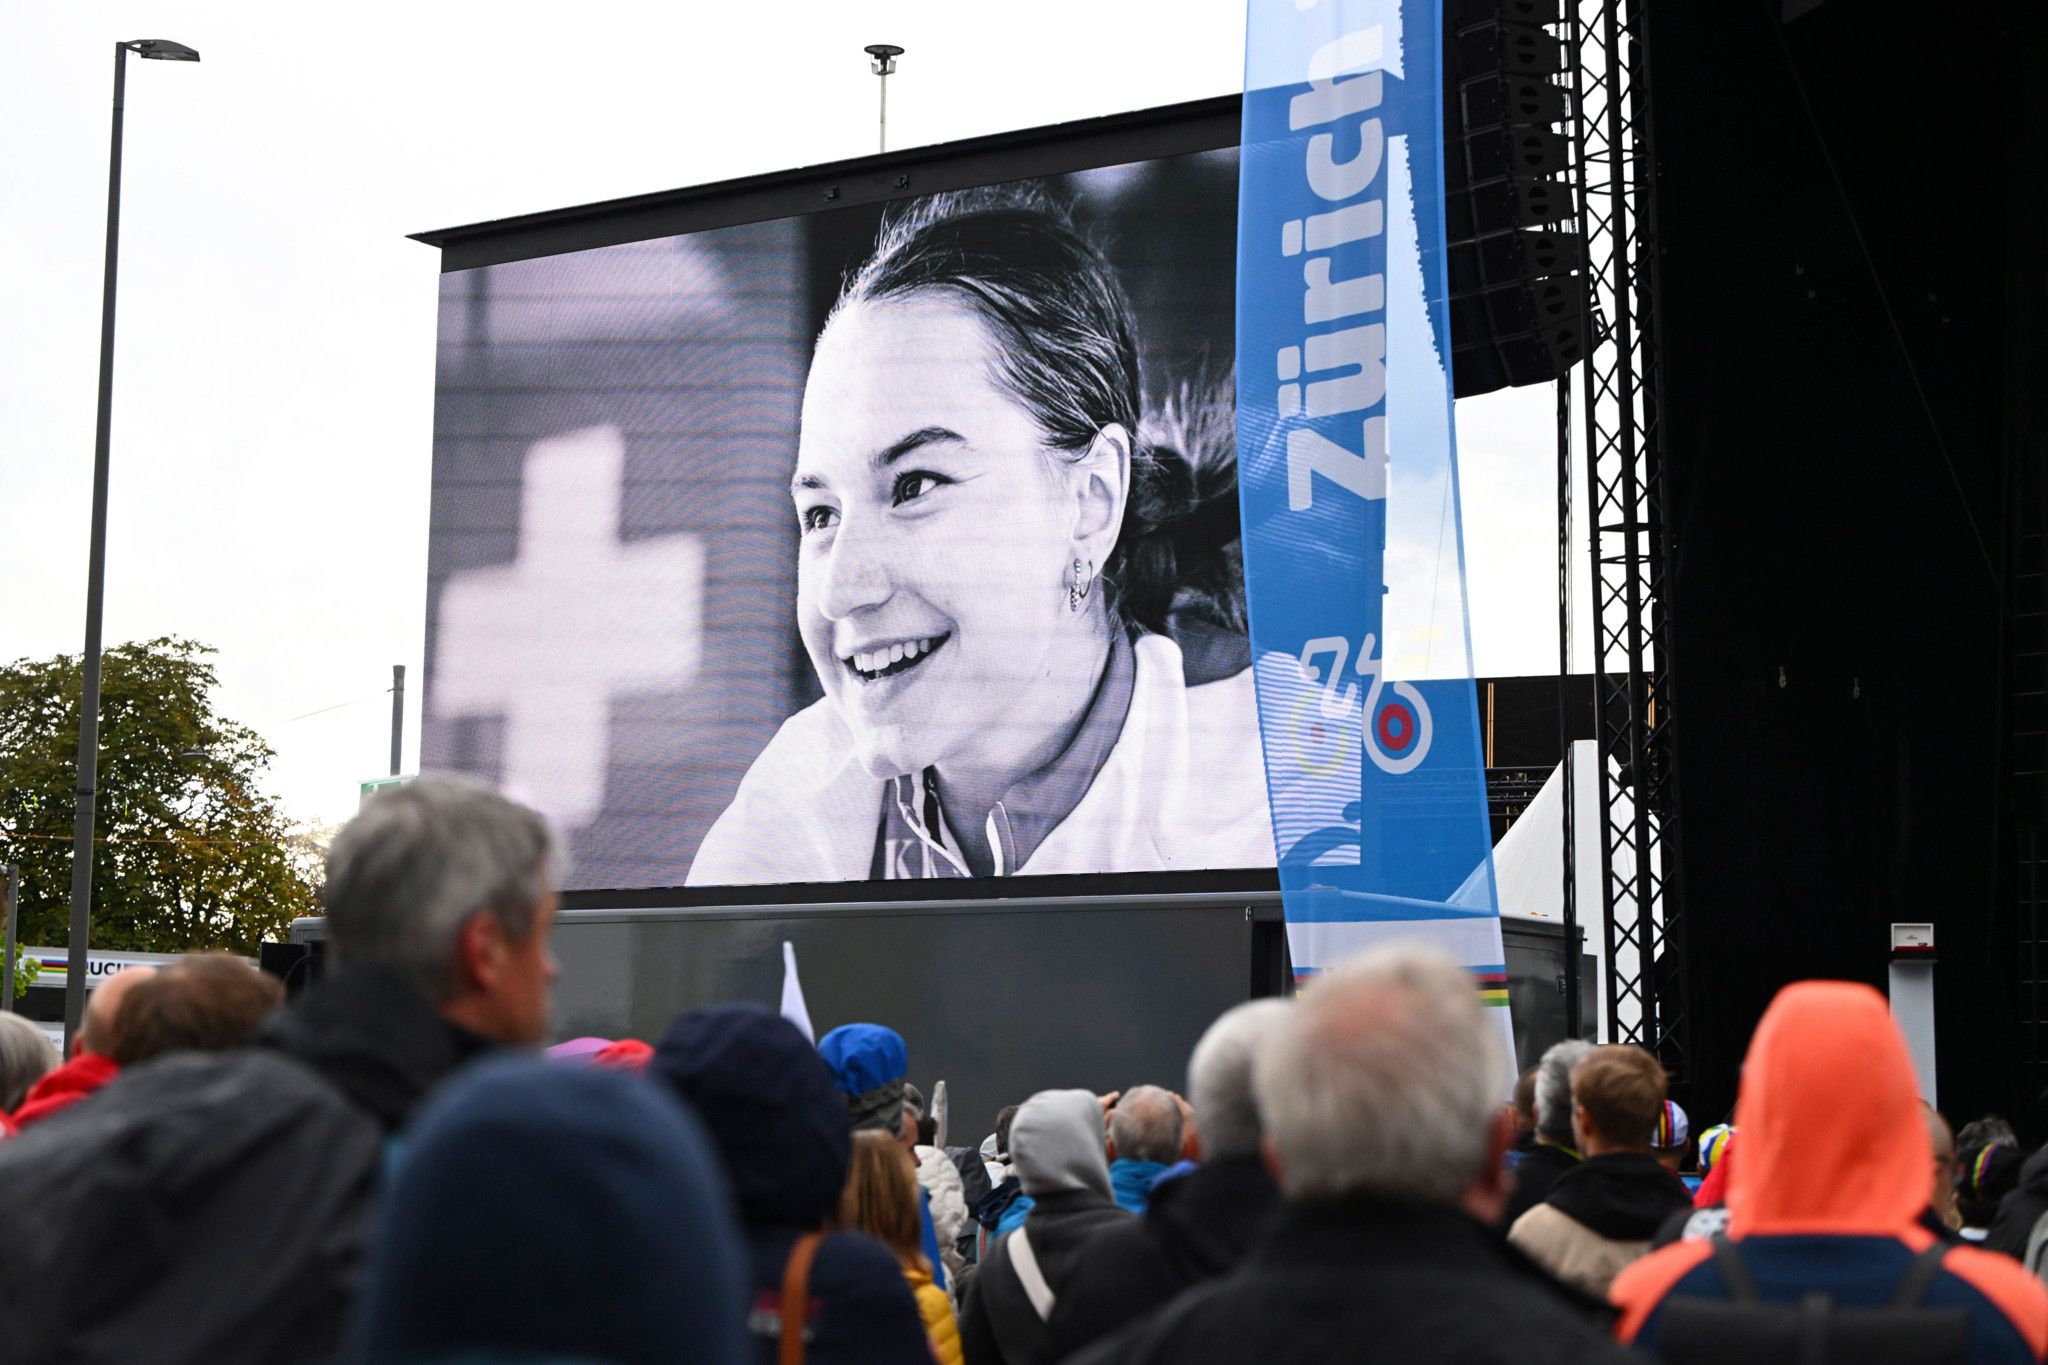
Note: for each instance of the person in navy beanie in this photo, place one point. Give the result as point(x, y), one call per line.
point(550, 1212)
point(780, 1125)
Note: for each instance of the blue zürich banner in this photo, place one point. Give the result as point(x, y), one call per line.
point(1347, 463)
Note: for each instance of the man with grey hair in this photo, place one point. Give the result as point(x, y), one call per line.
point(1380, 1094)
point(231, 1192)
point(1555, 1149)
point(1199, 1225)
point(1144, 1139)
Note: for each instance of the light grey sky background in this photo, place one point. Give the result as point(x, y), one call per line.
point(273, 408)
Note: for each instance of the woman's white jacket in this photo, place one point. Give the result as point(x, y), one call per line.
point(1183, 787)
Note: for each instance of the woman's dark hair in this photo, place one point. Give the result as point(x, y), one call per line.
point(1067, 349)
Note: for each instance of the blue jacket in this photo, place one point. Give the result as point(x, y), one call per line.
point(776, 1118)
point(1130, 1181)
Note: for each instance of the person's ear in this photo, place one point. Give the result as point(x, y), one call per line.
point(1486, 1198)
point(1270, 1155)
point(480, 954)
point(1100, 491)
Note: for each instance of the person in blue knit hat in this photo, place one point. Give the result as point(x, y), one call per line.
point(871, 1067)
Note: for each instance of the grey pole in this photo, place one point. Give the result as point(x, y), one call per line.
point(884, 65)
point(96, 571)
point(13, 911)
point(397, 714)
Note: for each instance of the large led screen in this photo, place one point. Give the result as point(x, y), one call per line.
point(879, 543)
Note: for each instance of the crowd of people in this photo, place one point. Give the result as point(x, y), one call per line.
point(389, 1168)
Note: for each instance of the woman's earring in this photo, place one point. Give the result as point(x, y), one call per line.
point(1083, 584)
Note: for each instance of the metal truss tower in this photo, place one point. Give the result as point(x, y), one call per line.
point(1624, 485)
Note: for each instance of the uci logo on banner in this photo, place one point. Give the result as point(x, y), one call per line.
point(1348, 480)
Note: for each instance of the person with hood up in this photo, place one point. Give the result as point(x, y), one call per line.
point(1197, 1226)
point(1825, 1237)
point(1604, 1212)
point(871, 1067)
point(1056, 1142)
point(544, 1212)
point(780, 1126)
point(1554, 1150)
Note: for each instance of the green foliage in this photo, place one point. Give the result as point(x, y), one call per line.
point(190, 855)
point(26, 970)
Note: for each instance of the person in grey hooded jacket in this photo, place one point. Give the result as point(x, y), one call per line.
point(1057, 1144)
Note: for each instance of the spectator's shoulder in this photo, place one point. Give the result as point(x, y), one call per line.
point(1180, 1331)
point(2017, 1295)
point(852, 1260)
point(1639, 1289)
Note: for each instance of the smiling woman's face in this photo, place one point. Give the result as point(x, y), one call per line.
point(935, 541)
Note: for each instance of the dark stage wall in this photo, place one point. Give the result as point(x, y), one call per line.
point(1845, 386)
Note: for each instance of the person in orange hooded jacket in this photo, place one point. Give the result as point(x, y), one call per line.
point(1827, 1196)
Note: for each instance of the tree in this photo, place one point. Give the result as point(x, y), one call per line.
point(189, 854)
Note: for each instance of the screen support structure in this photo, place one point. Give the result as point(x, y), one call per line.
point(1629, 536)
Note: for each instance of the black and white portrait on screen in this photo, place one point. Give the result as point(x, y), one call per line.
point(863, 546)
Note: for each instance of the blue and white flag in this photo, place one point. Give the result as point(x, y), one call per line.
point(1347, 466)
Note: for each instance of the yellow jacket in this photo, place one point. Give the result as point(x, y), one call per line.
point(937, 1310)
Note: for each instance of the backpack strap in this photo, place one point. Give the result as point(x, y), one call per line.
point(796, 1298)
point(1920, 1276)
point(1741, 1284)
point(1024, 1260)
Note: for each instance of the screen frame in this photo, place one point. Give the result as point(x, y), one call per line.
point(1055, 149)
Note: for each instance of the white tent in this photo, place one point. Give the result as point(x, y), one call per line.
point(1528, 864)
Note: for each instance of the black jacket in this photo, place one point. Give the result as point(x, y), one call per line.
point(998, 1325)
point(2021, 1208)
point(374, 1038)
point(1621, 1196)
point(772, 1109)
point(1194, 1228)
point(1360, 1279)
point(215, 1207)
point(1535, 1173)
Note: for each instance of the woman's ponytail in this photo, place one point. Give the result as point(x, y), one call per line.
point(1178, 554)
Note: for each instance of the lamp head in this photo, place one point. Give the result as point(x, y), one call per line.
point(161, 50)
point(885, 55)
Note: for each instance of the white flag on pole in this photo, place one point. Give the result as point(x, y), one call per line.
point(793, 994)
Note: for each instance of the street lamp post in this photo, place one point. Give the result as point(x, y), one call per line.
point(163, 50)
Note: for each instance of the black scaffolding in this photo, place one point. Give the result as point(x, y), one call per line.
point(1614, 416)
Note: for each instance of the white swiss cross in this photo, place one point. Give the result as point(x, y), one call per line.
point(578, 618)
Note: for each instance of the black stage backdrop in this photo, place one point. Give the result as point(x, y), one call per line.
point(1842, 428)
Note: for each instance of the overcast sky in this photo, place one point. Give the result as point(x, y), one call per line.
point(273, 408)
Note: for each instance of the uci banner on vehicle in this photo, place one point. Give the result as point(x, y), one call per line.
point(1347, 468)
